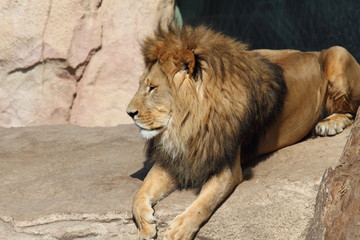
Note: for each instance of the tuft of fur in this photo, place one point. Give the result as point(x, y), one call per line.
point(228, 99)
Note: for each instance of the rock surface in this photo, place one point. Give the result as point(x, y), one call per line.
point(73, 61)
point(337, 212)
point(69, 182)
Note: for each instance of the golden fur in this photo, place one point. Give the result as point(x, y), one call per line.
point(207, 103)
point(220, 95)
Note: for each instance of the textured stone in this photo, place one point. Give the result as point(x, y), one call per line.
point(70, 182)
point(73, 61)
point(106, 89)
point(337, 214)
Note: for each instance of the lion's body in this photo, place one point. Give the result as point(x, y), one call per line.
point(206, 103)
point(318, 82)
point(300, 114)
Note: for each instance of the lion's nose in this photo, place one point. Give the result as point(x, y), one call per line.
point(132, 114)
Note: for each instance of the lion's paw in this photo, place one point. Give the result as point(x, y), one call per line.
point(334, 124)
point(145, 222)
point(181, 228)
point(147, 232)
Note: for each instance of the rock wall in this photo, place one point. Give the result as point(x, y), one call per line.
point(73, 61)
point(337, 212)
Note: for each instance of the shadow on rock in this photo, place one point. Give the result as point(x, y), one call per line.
point(251, 164)
point(141, 174)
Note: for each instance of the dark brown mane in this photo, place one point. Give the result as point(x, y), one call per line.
point(238, 96)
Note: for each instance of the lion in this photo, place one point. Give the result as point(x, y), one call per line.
point(206, 104)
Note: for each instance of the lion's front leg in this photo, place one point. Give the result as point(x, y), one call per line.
point(212, 194)
point(157, 185)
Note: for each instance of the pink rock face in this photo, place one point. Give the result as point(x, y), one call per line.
point(73, 61)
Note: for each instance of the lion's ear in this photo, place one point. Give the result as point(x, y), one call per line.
point(187, 58)
point(174, 61)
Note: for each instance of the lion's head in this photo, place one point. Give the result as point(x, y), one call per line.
point(152, 106)
point(199, 98)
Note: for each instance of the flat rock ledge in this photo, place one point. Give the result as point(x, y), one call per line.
point(69, 182)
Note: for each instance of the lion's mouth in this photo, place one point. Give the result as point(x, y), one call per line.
point(156, 129)
point(148, 133)
point(142, 127)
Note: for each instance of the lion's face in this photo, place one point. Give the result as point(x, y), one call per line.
point(151, 106)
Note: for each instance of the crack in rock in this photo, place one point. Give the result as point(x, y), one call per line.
point(80, 68)
point(53, 218)
point(77, 72)
point(43, 38)
point(98, 5)
point(74, 225)
point(31, 67)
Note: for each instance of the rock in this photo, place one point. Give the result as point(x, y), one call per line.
point(70, 182)
point(73, 61)
point(337, 214)
point(58, 182)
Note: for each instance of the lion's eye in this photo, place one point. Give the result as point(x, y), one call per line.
point(151, 88)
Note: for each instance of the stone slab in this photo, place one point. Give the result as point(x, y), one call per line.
point(70, 182)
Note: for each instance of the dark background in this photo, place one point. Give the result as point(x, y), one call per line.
point(306, 25)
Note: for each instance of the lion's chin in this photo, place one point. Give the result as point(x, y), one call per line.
point(148, 134)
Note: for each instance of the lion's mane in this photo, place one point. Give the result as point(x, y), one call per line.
point(233, 96)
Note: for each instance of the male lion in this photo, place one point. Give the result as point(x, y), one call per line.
point(206, 103)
